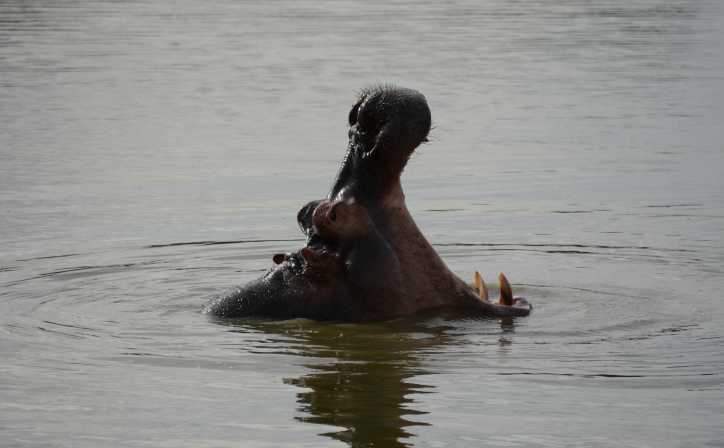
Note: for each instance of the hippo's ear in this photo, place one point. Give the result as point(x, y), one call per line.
point(304, 216)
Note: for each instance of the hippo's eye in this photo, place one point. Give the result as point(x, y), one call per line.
point(353, 114)
point(333, 214)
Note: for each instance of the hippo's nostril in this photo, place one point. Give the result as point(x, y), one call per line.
point(353, 114)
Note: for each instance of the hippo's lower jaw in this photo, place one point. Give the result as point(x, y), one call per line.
point(313, 286)
point(365, 258)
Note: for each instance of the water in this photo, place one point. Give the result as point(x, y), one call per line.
point(153, 155)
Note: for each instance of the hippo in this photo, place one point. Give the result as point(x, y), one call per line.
point(365, 258)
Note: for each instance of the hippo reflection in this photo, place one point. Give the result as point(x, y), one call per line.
point(365, 259)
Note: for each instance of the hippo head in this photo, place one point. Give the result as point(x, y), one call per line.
point(321, 280)
point(364, 256)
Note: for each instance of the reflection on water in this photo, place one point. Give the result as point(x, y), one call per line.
point(363, 375)
point(362, 389)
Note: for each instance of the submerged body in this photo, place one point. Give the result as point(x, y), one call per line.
point(365, 257)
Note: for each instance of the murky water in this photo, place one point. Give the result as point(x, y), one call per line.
point(153, 155)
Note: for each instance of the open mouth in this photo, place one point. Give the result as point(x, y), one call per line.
point(318, 256)
point(320, 253)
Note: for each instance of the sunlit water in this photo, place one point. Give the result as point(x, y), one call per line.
point(153, 155)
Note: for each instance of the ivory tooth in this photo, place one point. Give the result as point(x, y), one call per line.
point(480, 286)
point(506, 293)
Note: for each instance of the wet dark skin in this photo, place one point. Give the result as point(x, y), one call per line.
point(370, 264)
point(365, 258)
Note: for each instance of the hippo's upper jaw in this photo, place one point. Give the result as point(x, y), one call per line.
point(386, 124)
point(365, 258)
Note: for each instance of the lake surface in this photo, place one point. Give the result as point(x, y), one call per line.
point(153, 155)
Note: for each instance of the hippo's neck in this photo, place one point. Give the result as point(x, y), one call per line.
point(427, 281)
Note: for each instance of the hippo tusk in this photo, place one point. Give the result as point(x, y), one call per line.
point(480, 286)
point(506, 293)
